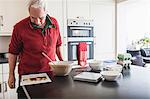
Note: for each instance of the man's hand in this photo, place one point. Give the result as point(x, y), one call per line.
point(11, 81)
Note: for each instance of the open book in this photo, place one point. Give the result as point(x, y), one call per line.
point(88, 76)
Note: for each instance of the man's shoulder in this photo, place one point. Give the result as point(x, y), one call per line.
point(22, 22)
point(53, 19)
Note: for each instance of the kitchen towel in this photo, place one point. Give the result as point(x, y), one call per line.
point(82, 53)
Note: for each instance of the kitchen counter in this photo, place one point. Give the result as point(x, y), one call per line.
point(134, 84)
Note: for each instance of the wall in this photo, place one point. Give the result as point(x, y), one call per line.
point(134, 22)
point(121, 27)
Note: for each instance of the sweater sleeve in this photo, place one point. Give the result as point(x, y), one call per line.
point(16, 44)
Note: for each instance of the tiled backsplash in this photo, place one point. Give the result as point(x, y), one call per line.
point(4, 43)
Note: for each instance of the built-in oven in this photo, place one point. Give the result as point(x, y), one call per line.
point(73, 48)
point(79, 30)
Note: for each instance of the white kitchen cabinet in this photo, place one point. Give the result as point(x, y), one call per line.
point(0, 68)
point(103, 14)
point(78, 8)
point(1, 94)
point(7, 93)
point(55, 9)
point(12, 11)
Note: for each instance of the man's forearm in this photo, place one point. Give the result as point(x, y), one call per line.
point(12, 63)
point(59, 54)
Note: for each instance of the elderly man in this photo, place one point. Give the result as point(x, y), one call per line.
point(39, 33)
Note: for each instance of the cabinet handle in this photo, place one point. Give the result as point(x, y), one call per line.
point(0, 87)
point(5, 86)
point(80, 28)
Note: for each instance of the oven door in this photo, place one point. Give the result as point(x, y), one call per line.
point(78, 31)
point(72, 50)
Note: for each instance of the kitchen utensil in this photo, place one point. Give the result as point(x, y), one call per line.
point(48, 59)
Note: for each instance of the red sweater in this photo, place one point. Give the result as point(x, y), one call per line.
point(29, 43)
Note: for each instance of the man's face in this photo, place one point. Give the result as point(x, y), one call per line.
point(37, 15)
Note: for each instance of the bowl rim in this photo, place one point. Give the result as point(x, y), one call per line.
point(65, 62)
point(104, 73)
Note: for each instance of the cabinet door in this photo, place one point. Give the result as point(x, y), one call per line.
point(55, 9)
point(6, 68)
point(78, 8)
point(103, 12)
point(12, 11)
point(9, 93)
point(0, 68)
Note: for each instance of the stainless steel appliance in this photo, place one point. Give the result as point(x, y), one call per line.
point(79, 30)
point(72, 49)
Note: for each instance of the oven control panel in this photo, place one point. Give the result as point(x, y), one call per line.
point(79, 22)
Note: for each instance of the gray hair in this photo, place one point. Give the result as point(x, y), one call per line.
point(37, 4)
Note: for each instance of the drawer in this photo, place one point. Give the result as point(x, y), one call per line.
point(5, 68)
